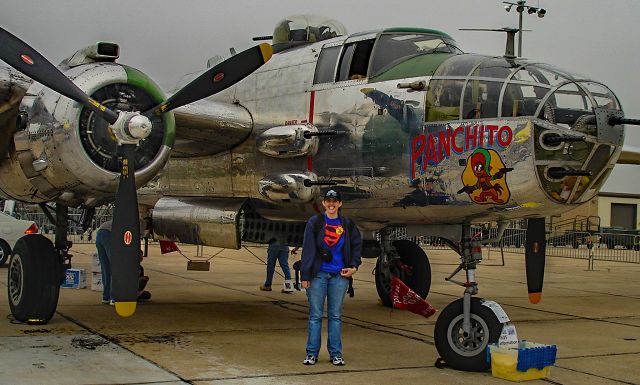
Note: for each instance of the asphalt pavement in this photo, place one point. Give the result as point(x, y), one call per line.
point(216, 327)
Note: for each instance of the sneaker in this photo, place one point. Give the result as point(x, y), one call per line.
point(105, 301)
point(265, 288)
point(337, 361)
point(145, 295)
point(287, 287)
point(310, 360)
point(112, 302)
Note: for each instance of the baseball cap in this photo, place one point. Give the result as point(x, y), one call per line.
point(332, 194)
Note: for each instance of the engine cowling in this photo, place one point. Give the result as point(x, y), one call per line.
point(66, 153)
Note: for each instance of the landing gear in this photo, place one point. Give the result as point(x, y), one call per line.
point(36, 270)
point(35, 274)
point(410, 264)
point(466, 326)
point(464, 350)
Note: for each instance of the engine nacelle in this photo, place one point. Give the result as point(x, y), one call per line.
point(68, 154)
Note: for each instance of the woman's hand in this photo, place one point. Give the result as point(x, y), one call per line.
point(306, 284)
point(348, 271)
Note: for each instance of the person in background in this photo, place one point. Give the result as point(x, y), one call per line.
point(280, 252)
point(331, 254)
point(103, 246)
point(143, 295)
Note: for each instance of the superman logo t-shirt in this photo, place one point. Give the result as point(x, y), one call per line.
point(333, 239)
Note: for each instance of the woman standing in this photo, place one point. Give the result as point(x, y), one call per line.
point(330, 256)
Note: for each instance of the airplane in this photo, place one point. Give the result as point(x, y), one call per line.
point(419, 138)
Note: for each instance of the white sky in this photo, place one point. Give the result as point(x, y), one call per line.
point(167, 39)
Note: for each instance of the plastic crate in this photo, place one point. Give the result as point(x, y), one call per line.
point(530, 361)
point(74, 279)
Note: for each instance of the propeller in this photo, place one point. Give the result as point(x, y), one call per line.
point(27, 60)
point(129, 128)
point(534, 252)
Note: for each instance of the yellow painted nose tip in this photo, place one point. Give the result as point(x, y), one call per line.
point(535, 297)
point(126, 309)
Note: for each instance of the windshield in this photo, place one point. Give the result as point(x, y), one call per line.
point(392, 48)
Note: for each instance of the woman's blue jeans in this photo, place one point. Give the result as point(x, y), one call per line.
point(332, 287)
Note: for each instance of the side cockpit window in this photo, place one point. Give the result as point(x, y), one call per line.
point(326, 67)
point(352, 63)
point(355, 60)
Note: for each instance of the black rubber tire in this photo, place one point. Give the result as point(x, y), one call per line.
point(471, 357)
point(35, 274)
point(419, 280)
point(5, 252)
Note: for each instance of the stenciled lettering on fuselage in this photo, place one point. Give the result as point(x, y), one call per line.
point(486, 183)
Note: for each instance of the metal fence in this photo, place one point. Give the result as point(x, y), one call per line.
point(592, 246)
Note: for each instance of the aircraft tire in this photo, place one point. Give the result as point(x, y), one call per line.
point(469, 355)
point(5, 252)
point(417, 277)
point(35, 272)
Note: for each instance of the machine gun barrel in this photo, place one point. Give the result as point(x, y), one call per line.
point(555, 139)
point(618, 120)
point(561, 172)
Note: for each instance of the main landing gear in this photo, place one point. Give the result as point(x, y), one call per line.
point(36, 270)
point(468, 325)
point(403, 259)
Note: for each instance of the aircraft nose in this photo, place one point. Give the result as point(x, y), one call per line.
point(575, 144)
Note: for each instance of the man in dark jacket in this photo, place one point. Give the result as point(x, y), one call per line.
point(331, 253)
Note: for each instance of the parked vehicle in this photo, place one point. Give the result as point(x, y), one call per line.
point(11, 229)
point(619, 236)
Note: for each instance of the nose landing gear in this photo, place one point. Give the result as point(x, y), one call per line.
point(468, 325)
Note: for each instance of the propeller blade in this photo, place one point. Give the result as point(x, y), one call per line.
point(219, 77)
point(125, 238)
point(27, 60)
point(534, 255)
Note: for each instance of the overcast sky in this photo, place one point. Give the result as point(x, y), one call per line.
point(167, 39)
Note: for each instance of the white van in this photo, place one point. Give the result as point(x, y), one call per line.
point(11, 229)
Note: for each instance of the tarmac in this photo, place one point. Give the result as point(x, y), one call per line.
point(216, 327)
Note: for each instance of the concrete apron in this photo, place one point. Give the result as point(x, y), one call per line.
point(217, 328)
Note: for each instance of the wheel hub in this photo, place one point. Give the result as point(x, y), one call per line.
point(468, 344)
point(392, 269)
point(16, 282)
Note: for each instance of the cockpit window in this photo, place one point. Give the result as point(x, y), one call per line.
point(392, 48)
point(298, 30)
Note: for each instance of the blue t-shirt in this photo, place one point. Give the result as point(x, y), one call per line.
point(333, 239)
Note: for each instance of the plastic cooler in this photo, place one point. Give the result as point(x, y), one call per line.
point(530, 361)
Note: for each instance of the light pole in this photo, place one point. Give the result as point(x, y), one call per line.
point(520, 7)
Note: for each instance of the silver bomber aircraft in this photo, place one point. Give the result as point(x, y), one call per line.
point(418, 137)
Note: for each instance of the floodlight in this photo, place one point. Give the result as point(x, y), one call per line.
point(520, 8)
point(542, 12)
point(508, 7)
point(532, 10)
